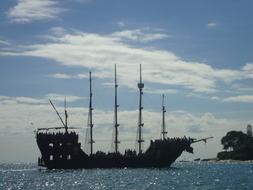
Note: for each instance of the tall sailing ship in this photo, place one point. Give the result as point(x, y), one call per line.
point(62, 150)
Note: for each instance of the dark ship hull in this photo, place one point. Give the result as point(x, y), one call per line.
point(62, 151)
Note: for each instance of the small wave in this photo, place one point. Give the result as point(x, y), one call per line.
point(18, 170)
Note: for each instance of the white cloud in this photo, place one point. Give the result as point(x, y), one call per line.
point(28, 100)
point(121, 24)
point(82, 75)
point(139, 35)
point(68, 76)
point(57, 30)
point(215, 98)
point(60, 97)
point(39, 101)
point(248, 67)
point(60, 76)
point(160, 91)
point(248, 70)
point(25, 100)
point(242, 98)
point(31, 10)
point(4, 42)
point(211, 24)
point(99, 53)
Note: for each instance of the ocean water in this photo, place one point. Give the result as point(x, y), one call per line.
point(188, 175)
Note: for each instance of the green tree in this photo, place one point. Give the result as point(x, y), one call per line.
point(234, 140)
point(241, 145)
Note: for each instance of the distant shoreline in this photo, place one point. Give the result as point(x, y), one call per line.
point(216, 160)
point(227, 161)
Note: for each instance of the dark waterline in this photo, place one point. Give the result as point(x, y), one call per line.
point(181, 176)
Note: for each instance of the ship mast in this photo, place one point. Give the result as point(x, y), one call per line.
point(66, 116)
point(140, 124)
point(116, 125)
point(90, 124)
point(164, 132)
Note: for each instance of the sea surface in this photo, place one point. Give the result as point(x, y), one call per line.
point(188, 175)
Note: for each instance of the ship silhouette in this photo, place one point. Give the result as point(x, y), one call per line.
point(62, 150)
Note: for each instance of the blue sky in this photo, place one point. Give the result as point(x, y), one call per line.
point(198, 53)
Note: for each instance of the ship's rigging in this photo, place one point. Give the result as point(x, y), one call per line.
point(62, 149)
point(115, 122)
point(163, 131)
point(65, 125)
point(89, 132)
point(140, 123)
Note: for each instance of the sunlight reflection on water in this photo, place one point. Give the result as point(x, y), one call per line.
point(180, 176)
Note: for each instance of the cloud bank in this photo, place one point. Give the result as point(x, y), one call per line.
point(99, 52)
point(22, 115)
